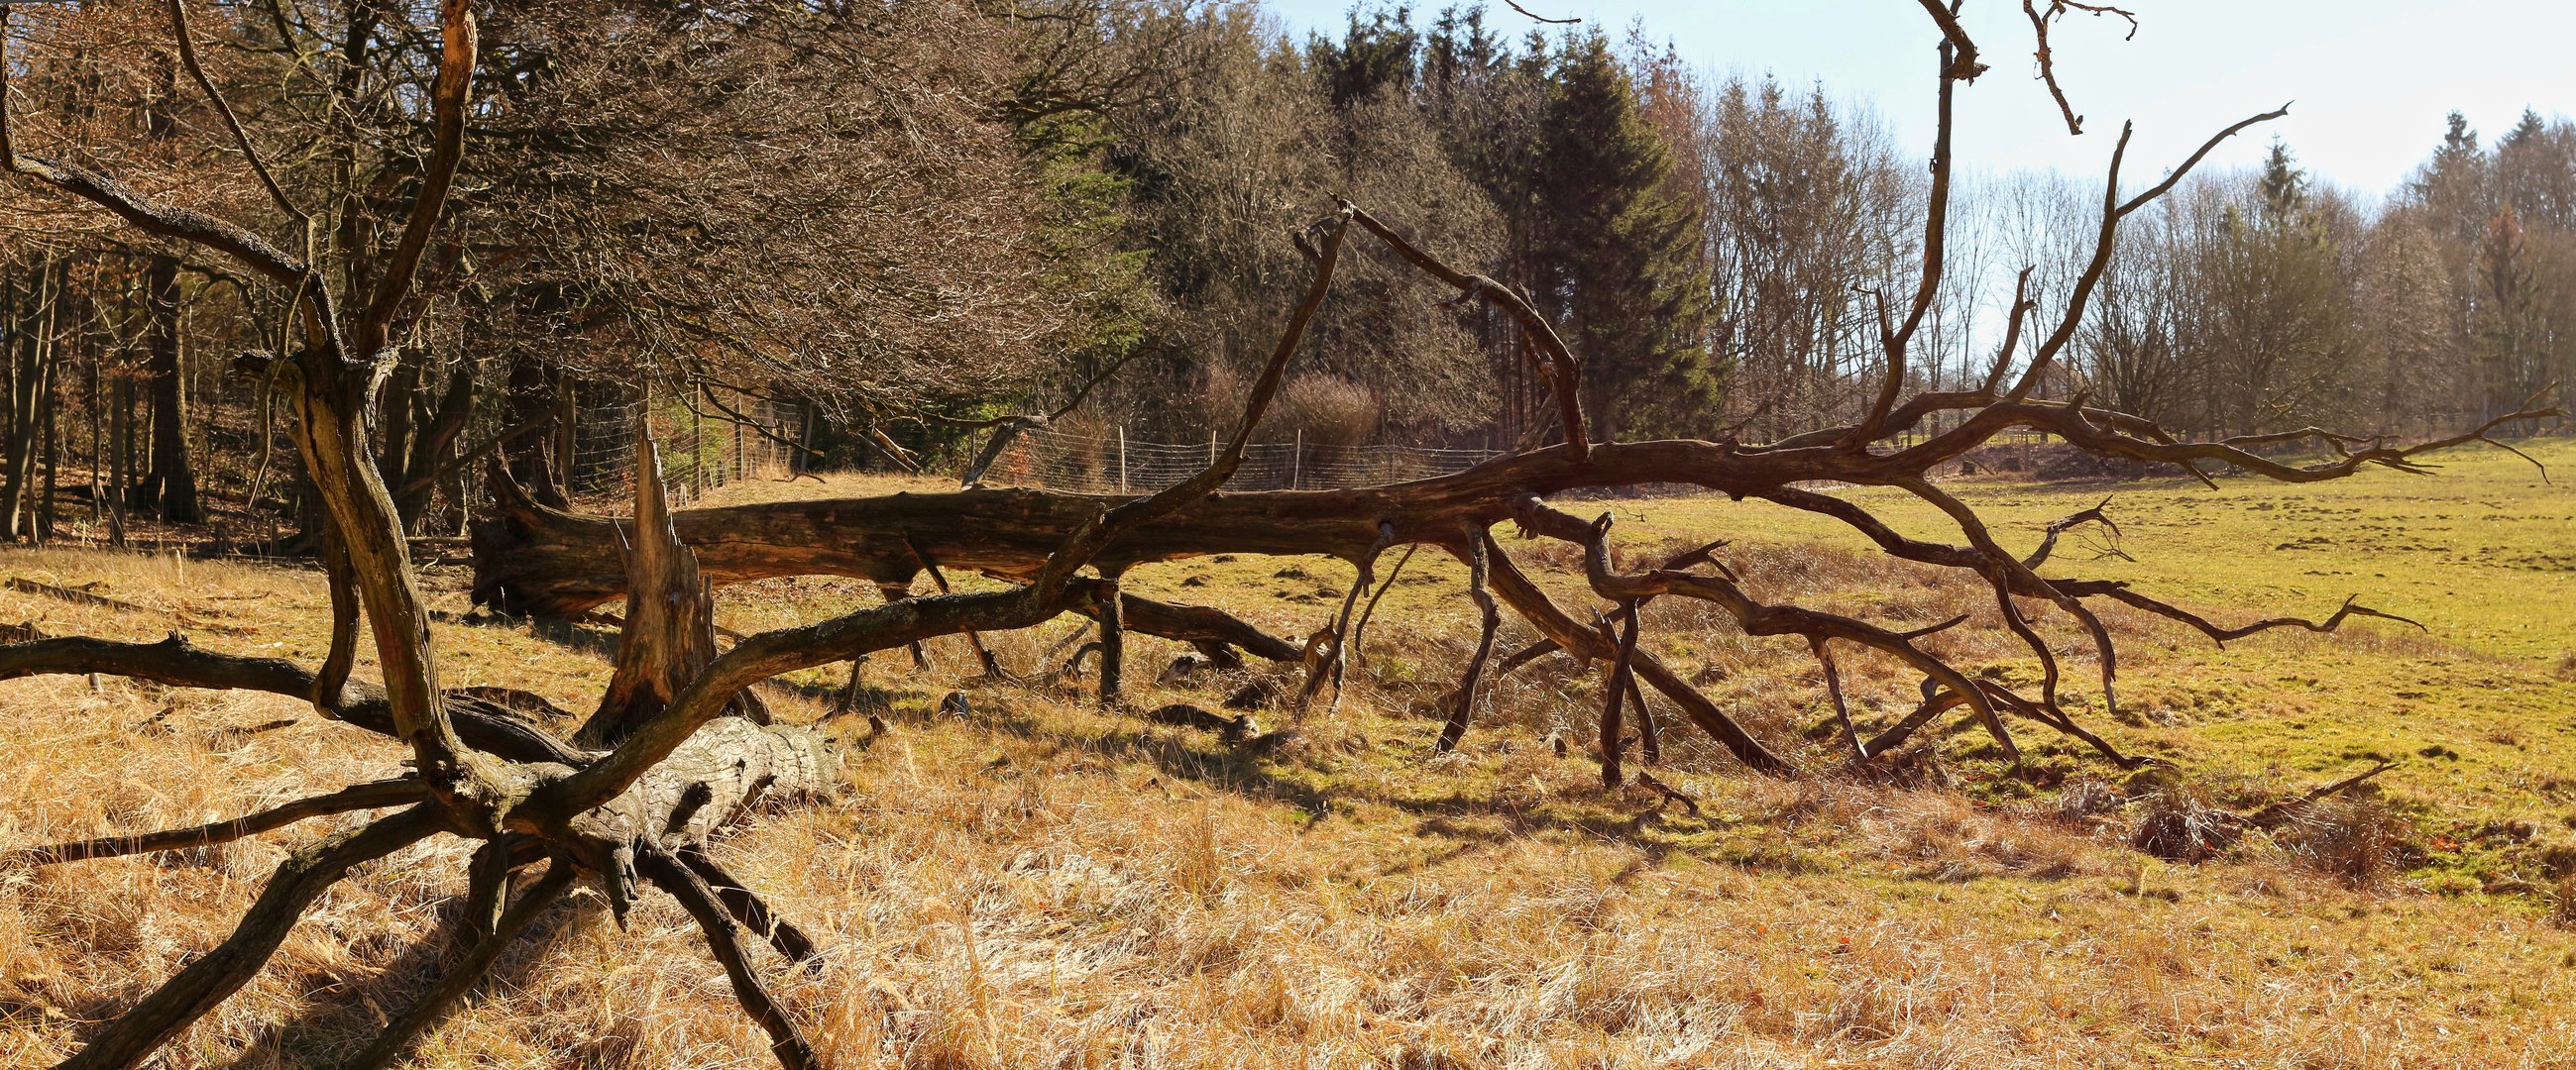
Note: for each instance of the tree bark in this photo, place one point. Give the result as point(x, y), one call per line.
point(170, 485)
point(31, 378)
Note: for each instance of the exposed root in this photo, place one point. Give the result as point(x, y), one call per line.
point(724, 941)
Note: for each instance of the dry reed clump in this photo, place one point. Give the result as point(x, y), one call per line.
point(2183, 821)
point(2355, 838)
point(2086, 799)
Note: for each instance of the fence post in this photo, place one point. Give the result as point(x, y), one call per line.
point(1297, 460)
point(1122, 458)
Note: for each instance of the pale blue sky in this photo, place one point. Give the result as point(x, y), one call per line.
point(2372, 79)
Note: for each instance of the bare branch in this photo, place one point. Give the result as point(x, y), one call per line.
point(232, 122)
point(1963, 65)
point(1480, 552)
point(724, 940)
point(1614, 694)
point(1556, 363)
point(177, 662)
point(372, 795)
point(1534, 17)
point(748, 908)
point(447, 100)
point(2159, 189)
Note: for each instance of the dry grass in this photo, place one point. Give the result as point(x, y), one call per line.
point(1039, 884)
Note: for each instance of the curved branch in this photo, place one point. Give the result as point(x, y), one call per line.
point(748, 908)
point(1480, 552)
point(1564, 373)
point(1514, 588)
point(724, 940)
point(177, 662)
point(372, 795)
point(224, 108)
point(447, 100)
point(1754, 617)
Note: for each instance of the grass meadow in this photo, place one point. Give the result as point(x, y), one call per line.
point(1038, 883)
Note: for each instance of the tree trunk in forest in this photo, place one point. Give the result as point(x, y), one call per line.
point(97, 406)
point(170, 486)
point(433, 445)
point(121, 446)
point(44, 530)
point(395, 407)
point(531, 397)
point(31, 380)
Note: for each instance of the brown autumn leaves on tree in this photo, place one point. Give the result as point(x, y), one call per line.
point(815, 206)
point(677, 748)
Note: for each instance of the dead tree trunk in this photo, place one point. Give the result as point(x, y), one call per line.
point(31, 359)
point(170, 482)
point(669, 634)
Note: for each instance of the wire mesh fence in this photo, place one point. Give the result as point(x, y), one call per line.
point(702, 447)
point(1116, 464)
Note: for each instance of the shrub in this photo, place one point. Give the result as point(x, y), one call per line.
point(1327, 409)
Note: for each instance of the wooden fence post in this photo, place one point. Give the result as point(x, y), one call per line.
point(1122, 458)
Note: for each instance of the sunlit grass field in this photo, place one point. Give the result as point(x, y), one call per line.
point(1041, 883)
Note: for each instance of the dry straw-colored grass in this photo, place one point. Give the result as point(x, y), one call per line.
point(1037, 884)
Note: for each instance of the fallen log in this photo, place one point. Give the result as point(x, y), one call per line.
point(544, 561)
point(532, 558)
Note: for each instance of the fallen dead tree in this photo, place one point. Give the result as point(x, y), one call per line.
point(542, 559)
point(675, 749)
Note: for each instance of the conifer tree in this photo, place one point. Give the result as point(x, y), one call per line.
point(1617, 254)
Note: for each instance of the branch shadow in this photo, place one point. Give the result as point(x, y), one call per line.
point(1176, 753)
point(343, 1015)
